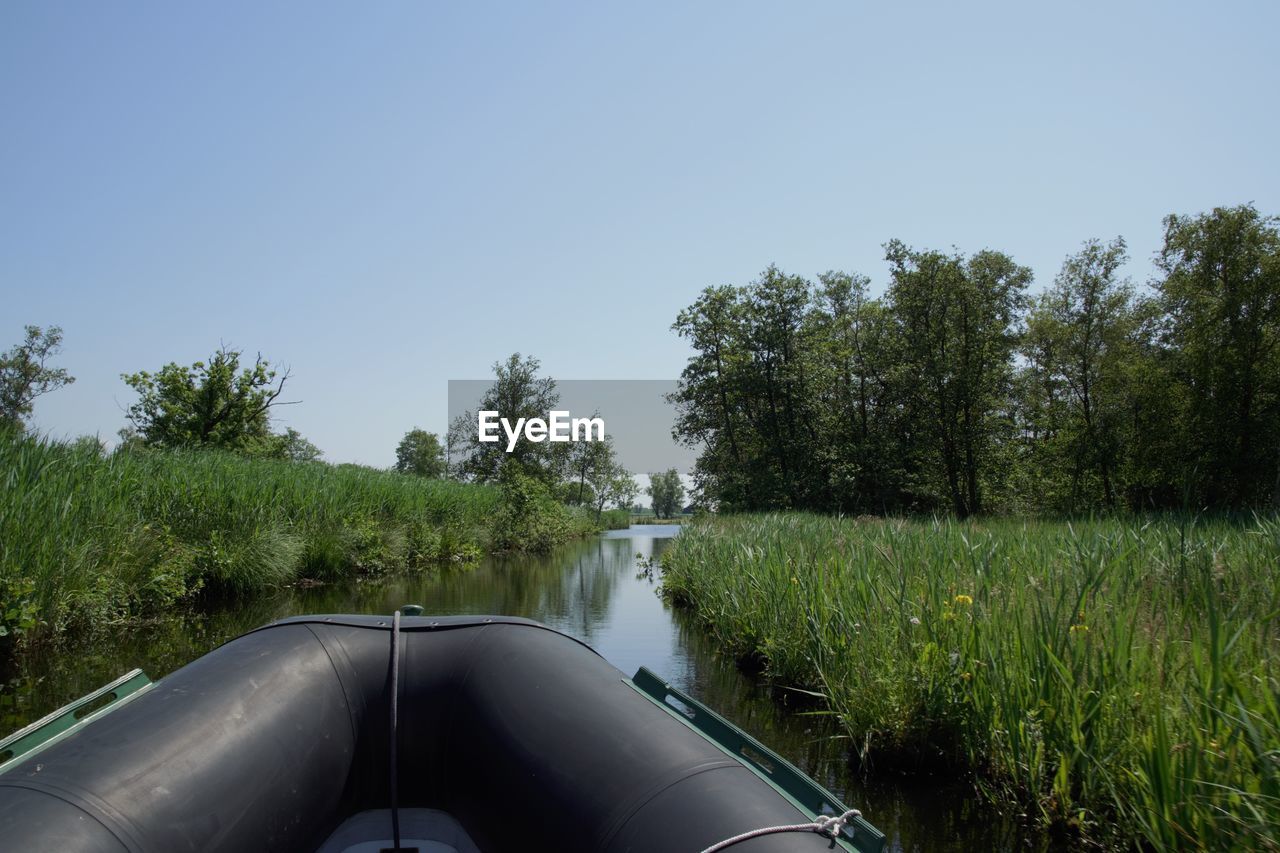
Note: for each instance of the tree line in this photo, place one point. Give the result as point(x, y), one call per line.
point(585, 473)
point(958, 390)
point(221, 404)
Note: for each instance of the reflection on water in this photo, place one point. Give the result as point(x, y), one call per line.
point(591, 590)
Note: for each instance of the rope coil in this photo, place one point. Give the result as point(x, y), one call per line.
point(824, 825)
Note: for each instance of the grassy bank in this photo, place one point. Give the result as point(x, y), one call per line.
point(92, 538)
point(653, 519)
point(615, 519)
point(1117, 678)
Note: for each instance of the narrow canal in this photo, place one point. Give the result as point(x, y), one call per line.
point(596, 590)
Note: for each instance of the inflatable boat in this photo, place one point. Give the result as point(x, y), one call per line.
point(360, 734)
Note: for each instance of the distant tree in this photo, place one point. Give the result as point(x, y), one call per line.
point(90, 444)
point(578, 459)
point(624, 489)
point(956, 322)
point(746, 397)
point(420, 453)
point(1220, 297)
point(1078, 348)
point(667, 493)
point(209, 404)
point(574, 493)
point(710, 399)
point(25, 374)
point(517, 392)
point(606, 477)
point(861, 455)
point(292, 445)
point(129, 440)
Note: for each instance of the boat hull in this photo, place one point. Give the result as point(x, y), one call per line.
point(525, 736)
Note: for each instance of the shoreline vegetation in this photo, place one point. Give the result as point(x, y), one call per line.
point(1112, 678)
point(91, 538)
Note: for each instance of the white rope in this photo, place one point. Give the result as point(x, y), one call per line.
point(823, 825)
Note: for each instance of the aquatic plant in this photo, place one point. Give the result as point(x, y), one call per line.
point(1118, 678)
point(87, 536)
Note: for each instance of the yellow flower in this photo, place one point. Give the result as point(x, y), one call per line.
point(948, 616)
point(964, 599)
point(1079, 629)
point(966, 676)
point(794, 579)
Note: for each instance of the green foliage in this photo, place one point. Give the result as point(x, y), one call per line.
point(209, 404)
point(747, 393)
point(1220, 324)
point(955, 323)
point(421, 453)
point(616, 519)
point(864, 464)
point(530, 519)
point(294, 447)
point(93, 538)
point(620, 490)
point(19, 613)
point(822, 398)
point(1081, 345)
point(25, 374)
point(1115, 679)
point(595, 477)
point(667, 492)
point(576, 493)
point(517, 392)
point(950, 393)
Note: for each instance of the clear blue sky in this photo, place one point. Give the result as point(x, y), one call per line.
point(385, 196)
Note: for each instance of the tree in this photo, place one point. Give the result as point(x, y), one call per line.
point(593, 475)
point(947, 393)
point(1220, 297)
point(1078, 345)
point(574, 493)
point(293, 446)
point(25, 374)
point(517, 392)
point(862, 452)
point(709, 398)
point(667, 492)
point(788, 395)
point(419, 452)
point(579, 460)
point(209, 404)
point(623, 490)
point(746, 396)
point(606, 479)
point(955, 321)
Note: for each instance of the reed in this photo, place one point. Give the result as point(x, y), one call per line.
point(1114, 677)
point(615, 519)
point(88, 537)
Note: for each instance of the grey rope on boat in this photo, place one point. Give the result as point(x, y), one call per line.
point(395, 693)
point(829, 827)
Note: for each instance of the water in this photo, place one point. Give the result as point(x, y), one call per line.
point(596, 591)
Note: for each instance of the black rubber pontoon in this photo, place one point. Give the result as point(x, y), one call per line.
point(511, 736)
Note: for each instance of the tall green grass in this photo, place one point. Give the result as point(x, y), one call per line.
point(615, 519)
point(89, 537)
point(1118, 678)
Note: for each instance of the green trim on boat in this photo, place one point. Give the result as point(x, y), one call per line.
point(71, 717)
point(804, 793)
